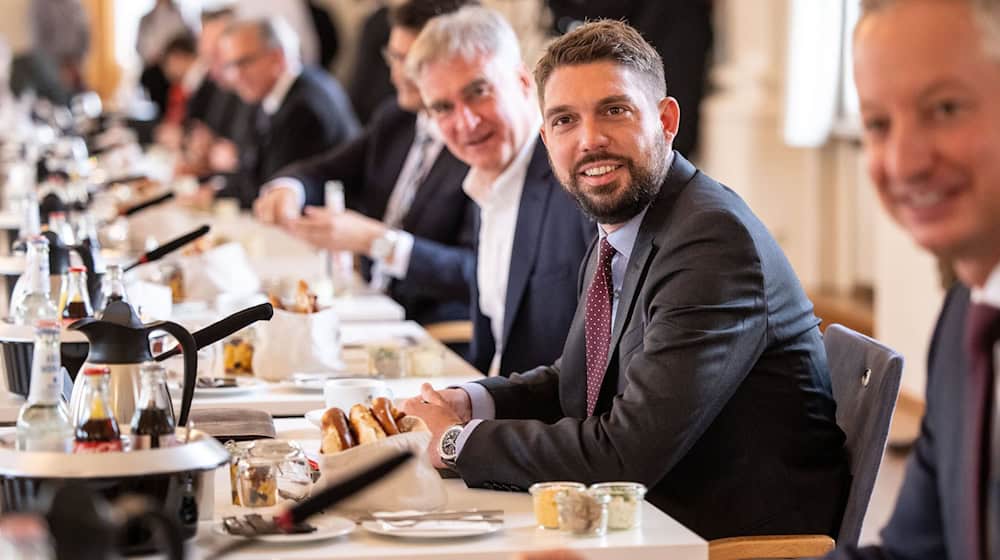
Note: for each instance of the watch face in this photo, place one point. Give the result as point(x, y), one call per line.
point(448, 448)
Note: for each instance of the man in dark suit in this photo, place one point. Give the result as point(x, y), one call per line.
point(300, 111)
point(531, 237)
point(931, 114)
point(694, 363)
point(407, 213)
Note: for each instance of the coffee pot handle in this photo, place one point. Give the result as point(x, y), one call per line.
point(189, 349)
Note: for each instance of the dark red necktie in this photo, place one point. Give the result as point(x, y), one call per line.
point(982, 332)
point(598, 324)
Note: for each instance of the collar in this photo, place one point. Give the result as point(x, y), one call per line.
point(989, 293)
point(194, 77)
point(427, 127)
point(486, 193)
point(623, 238)
point(277, 95)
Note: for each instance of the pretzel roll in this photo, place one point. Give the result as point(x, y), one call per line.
point(365, 426)
point(382, 410)
point(336, 432)
point(412, 424)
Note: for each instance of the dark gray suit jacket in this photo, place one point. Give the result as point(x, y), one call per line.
point(932, 516)
point(716, 395)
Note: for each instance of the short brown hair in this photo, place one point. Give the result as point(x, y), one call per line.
point(598, 41)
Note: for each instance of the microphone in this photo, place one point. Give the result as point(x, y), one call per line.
point(146, 204)
point(337, 492)
point(169, 247)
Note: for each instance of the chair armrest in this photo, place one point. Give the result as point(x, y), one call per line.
point(770, 546)
point(450, 332)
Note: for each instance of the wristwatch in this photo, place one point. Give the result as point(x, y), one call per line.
point(447, 448)
point(383, 246)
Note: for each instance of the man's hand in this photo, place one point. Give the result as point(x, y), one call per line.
point(343, 231)
point(436, 411)
point(277, 206)
point(223, 156)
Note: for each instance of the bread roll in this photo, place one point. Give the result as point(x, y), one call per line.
point(336, 432)
point(382, 410)
point(365, 427)
point(412, 424)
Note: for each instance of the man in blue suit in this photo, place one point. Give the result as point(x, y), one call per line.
point(531, 237)
point(931, 113)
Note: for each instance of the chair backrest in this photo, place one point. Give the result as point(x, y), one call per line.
point(865, 375)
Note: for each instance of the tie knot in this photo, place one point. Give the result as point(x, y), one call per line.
point(607, 252)
point(982, 325)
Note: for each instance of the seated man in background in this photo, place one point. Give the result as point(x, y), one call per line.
point(408, 214)
point(930, 111)
point(299, 111)
point(531, 236)
point(694, 363)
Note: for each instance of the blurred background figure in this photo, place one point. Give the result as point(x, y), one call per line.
point(157, 29)
point(369, 84)
point(62, 32)
point(296, 15)
point(179, 63)
point(299, 110)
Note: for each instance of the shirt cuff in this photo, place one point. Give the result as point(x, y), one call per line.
point(483, 406)
point(462, 437)
point(400, 256)
point(289, 183)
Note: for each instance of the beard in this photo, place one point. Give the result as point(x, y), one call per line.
point(615, 203)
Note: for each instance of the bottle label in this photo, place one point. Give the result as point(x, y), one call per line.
point(46, 377)
point(97, 446)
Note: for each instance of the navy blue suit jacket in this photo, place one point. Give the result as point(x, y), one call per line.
point(931, 520)
point(441, 217)
point(550, 240)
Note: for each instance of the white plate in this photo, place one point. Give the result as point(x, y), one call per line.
point(314, 382)
point(327, 527)
point(243, 385)
point(315, 417)
point(434, 529)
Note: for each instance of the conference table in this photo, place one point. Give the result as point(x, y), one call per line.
point(659, 537)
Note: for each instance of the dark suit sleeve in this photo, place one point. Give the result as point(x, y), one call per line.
point(703, 297)
point(345, 163)
point(441, 270)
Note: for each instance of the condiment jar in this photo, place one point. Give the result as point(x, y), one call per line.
point(625, 505)
point(543, 495)
point(273, 469)
point(583, 512)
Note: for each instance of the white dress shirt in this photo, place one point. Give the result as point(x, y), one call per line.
point(498, 203)
point(276, 97)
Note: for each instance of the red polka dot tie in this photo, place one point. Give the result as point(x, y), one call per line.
point(598, 324)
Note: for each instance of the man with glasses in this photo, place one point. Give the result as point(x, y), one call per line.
point(407, 213)
point(298, 111)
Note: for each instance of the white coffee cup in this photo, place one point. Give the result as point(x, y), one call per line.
point(345, 393)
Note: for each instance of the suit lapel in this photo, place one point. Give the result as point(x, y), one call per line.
point(435, 180)
point(644, 250)
point(527, 233)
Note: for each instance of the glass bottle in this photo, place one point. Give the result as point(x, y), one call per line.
point(112, 286)
point(31, 300)
point(96, 427)
point(42, 424)
point(153, 422)
point(339, 264)
point(76, 300)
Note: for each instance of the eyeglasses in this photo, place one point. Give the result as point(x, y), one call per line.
point(392, 57)
point(242, 63)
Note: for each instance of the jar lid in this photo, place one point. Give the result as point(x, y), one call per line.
point(633, 489)
point(556, 485)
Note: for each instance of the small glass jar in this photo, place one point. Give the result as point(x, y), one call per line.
point(273, 469)
point(237, 352)
point(625, 505)
point(237, 452)
point(257, 480)
point(425, 360)
point(543, 497)
point(583, 512)
point(386, 361)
